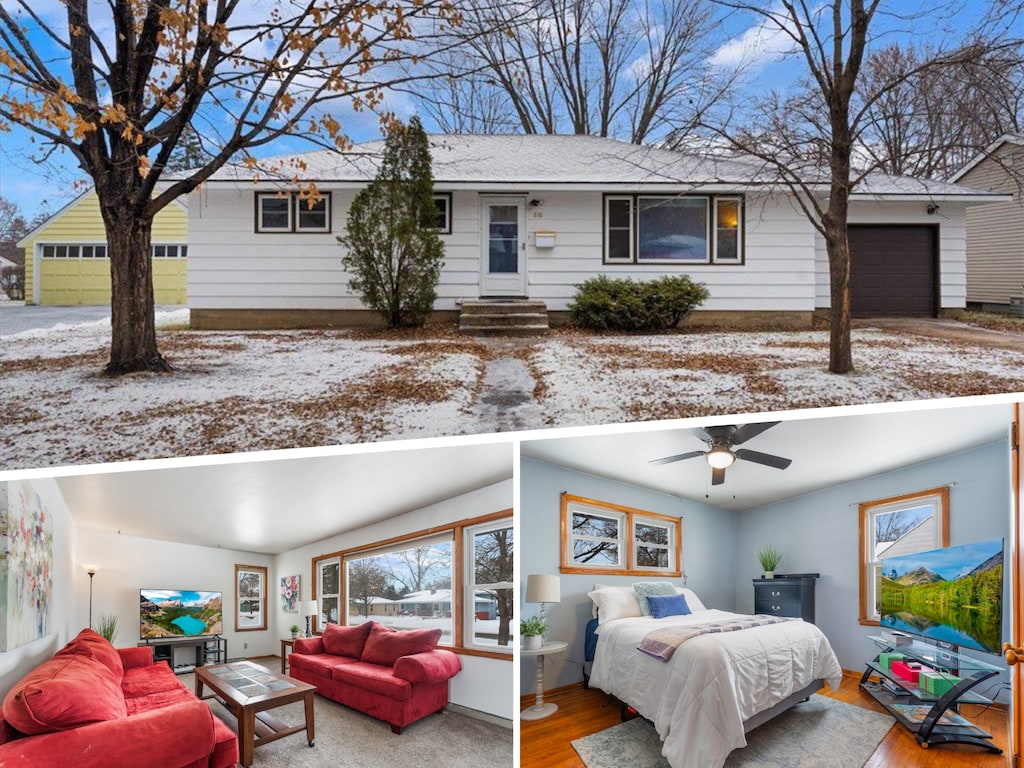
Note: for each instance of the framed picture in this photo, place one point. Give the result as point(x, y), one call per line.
point(290, 594)
point(250, 598)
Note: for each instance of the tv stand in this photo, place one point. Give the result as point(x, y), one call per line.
point(933, 718)
point(208, 649)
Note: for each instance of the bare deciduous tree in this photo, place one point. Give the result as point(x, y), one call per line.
point(117, 85)
point(609, 68)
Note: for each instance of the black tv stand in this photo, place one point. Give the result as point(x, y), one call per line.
point(931, 725)
point(208, 649)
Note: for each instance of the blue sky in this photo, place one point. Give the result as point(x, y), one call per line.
point(948, 563)
point(36, 184)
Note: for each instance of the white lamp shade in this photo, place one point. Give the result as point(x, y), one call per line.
point(543, 588)
point(90, 568)
point(310, 608)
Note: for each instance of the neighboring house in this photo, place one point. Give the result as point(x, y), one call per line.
point(535, 216)
point(66, 260)
point(995, 232)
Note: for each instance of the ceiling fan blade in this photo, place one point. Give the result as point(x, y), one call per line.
point(717, 475)
point(700, 434)
point(763, 458)
point(678, 457)
point(747, 431)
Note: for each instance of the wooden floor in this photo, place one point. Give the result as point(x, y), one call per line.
point(547, 743)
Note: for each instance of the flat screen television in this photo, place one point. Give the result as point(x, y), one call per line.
point(953, 595)
point(179, 613)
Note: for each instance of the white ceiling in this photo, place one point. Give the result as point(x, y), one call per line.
point(825, 452)
point(273, 506)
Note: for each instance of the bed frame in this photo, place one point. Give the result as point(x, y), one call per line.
point(760, 718)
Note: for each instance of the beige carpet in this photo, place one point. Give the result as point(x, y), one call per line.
point(345, 737)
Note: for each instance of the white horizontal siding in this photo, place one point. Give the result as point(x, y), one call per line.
point(952, 244)
point(233, 267)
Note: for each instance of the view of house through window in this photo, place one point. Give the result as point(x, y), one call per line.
point(490, 549)
point(902, 525)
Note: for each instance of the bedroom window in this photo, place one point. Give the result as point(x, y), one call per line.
point(490, 555)
point(443, 203)
point(598, 537)
point(900, 525)
point(618, 234)
point(313, 215)
point(457, 578)
point(273, 212)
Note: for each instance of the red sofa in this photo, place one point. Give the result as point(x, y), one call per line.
point(96, 706)
point(397, 677)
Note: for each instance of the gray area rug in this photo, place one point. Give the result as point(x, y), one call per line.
point(345, 737)
point(821, 733)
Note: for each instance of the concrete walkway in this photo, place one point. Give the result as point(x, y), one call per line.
point(947, 330)
point(506, 402)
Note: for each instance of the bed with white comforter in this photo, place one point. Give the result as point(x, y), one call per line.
point(700, 698)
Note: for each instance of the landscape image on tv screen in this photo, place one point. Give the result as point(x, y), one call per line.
point(179, 613)
point(954, 595)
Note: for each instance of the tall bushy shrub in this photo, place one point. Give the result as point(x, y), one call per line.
point(620, 304)
point(394, 253)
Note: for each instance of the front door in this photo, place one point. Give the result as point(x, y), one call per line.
point(503, 257)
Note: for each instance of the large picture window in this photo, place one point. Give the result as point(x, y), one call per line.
point(678, 229)
point(456, 578)
point(900, 525)
point(598, 537)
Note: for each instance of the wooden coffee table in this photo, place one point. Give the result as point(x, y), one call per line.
point(248, 691)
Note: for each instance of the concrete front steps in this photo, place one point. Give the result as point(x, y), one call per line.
point(510, 318)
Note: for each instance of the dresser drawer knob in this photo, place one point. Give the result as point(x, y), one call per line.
point(776, 607)
point(776, 594)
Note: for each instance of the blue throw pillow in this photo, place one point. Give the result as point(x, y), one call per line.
point(668, 605)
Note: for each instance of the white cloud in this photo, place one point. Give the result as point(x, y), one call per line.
point(761, 44)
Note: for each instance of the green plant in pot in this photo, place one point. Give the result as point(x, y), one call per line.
point(532, 631)
point(295, 631)
point(769, 558)
point(107, 626)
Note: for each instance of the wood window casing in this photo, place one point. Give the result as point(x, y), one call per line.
point(457, 530)
point(866, 513)
point(631, 516)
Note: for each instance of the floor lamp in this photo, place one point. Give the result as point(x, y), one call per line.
point(311, 611)
point(91, 570)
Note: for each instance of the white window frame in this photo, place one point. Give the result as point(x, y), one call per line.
point(707, 227)
point(302, 203)
point(739, 229)
point(260, 197)
point(622, 540)
point(322, 622)
point(669, 548)
point(871, 563)
point(76, 248)
point(470, 587)
point(608, 228)
point(447, 197)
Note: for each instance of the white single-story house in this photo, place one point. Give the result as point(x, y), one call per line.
point(532, 217)
point(995, 231)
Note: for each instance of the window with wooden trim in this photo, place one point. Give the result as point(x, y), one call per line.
point(457, 578)
point(899, 525)
point(603, 538)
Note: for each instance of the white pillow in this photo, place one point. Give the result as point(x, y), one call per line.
point(614, 603)
point(691, 599)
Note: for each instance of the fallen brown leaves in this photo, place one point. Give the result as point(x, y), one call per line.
point(961, 384)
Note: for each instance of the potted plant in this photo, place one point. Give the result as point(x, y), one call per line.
point(770, 558)
point(532, 631)
point(295, 631)
point(107, 626)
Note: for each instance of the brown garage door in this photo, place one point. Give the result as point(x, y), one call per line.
point(893, 271)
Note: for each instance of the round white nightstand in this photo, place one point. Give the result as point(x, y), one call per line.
point(541, 710)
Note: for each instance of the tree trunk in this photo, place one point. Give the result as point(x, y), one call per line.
point(837, 243)
point(132, 323)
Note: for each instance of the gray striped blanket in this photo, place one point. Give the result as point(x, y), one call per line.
point(661, 643)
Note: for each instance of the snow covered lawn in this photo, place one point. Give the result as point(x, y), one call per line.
point(262, 390)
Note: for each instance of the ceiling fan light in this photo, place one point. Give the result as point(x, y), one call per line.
point(720, 458)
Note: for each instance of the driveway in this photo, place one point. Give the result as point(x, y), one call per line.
point(16, 317)
point(947, 330)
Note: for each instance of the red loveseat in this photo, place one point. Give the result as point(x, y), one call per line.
point(397, 677)
point(96, 706)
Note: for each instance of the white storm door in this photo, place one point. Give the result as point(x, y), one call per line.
point(503, 256)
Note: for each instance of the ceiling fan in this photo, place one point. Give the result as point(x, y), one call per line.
point(721, 452)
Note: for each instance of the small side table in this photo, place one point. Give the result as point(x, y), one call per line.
point(286, 645)
point(541, 710)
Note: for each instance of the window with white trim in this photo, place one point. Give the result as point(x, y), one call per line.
point(273, 212)
point(313, 214)
point(328, 592)
point(443, 203)
point(728, 237)
point(75, 251)
point(901, 525)
point(489, 582)
point(599, 537)
point(166, 251)
point(618, 229)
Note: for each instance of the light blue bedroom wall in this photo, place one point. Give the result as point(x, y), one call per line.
point(709, 536)
point(818, 533)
